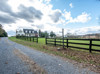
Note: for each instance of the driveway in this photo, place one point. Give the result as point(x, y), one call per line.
point(18, 59)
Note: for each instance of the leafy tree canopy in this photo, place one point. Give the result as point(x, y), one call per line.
point(3, 33)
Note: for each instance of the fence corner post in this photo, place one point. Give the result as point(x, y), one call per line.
point(90, 46)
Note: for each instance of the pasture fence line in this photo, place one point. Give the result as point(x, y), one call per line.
point(28, 38)
point(85, 44)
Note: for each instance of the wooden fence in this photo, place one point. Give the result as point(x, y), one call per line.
point(34, 39)
point(86, 44)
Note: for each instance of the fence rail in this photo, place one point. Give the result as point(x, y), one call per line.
point(86, 44)
point(34, 39)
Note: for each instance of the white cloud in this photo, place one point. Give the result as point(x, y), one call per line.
point(83, 18)
point(84, 30)
point(71, 5)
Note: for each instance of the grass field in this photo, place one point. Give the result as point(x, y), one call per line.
point(42, 41)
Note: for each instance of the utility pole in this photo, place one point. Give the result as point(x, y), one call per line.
point(62, 33)
point(63, 36)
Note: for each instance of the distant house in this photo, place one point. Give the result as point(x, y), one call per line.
point(26, 32)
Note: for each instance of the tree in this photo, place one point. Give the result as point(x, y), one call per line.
point(52, 34)
point(2, 32)
point(0, 26)
point(42, 34)
point(46, 34)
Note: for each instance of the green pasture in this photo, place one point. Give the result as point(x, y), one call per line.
point(42, 41)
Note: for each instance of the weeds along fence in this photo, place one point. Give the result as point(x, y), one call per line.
point(85, 44)
point(34, 39)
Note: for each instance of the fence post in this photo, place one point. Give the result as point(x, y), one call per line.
point(37, 39)
point(27, 38)
point(90, 46)
point(55, 42)
point(33, 38)
point(46, 40)
point(63, 42)
point(30, 38)
point(67, 43)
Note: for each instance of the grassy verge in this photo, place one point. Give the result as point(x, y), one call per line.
point(90, 59)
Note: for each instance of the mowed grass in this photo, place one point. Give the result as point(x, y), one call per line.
point(42, 41)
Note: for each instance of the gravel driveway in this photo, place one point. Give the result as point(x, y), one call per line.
point(12, 63)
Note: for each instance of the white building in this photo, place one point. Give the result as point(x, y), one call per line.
point(26, 32)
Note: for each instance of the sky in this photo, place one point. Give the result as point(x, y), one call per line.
point(75, 16)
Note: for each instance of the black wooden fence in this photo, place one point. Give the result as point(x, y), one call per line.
point(86, 44)
point(34, 39)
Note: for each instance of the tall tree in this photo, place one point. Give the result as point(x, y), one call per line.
point(42, 34)
point(2, 32)
point(46, 34)
point(52, 34)
point(0, 26)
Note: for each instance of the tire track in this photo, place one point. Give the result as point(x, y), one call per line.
point(32, 65)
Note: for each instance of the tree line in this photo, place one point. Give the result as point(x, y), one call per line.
point(46, 34)
point(3, 33)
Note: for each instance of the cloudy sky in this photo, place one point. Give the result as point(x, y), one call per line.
point(75, 16)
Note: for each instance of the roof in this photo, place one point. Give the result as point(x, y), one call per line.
point(29, 30)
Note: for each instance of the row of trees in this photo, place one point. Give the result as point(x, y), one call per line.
point(3, 33)
point(46, 34)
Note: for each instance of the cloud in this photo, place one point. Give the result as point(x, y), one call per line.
point(83, 18)
point(71, 5)
point(67, 15)
point(6, 13)
point(29, 13)
point(84, 30)
point(56, 15)
point(4, 6)
point(6, 18)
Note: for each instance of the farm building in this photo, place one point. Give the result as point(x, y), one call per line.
point(26, 32)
